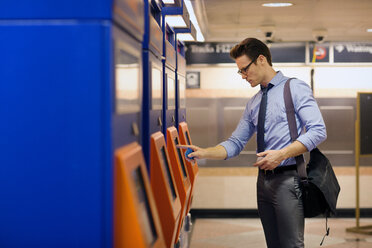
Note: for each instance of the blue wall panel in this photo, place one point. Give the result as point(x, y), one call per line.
point(55, 148)
point(53, 9)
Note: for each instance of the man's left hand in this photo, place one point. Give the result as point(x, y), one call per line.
point(269, 160)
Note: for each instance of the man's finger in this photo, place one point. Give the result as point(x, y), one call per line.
point(183, 146)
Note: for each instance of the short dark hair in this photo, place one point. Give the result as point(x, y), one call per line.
point(252, 48)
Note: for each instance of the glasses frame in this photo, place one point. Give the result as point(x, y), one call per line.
point(244, 70)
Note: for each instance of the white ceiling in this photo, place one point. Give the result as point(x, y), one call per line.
point(234, 20)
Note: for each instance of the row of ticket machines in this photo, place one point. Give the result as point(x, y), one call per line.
point(84, 80)
point(153, 182)
point(150, 211)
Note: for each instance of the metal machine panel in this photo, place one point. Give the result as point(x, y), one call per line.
point(128, 88)
point(182, 115)
point(156, 79)
point(156, 38)
point(55, 143)
point(44, 9)
point(171, 96)
point(170, 53)
point(181, 65)
point(129, 14)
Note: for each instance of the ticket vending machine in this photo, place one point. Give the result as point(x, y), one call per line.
point(156, 68)
point(164, 188)
point(169, 80)
point(128, 30)
point(152, 49)
point(69, 78)
point(136, 220)
point(128, 88)
point(180, 172)
point(192, 167)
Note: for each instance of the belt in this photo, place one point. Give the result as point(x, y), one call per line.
point(279, 169)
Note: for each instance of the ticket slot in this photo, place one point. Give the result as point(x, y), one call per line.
point(136, 221)
point(164, 188)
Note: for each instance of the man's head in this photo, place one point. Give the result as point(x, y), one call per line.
point(253, 59)
point(252, 48)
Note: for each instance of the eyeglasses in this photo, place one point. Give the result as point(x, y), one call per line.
point(245, 69)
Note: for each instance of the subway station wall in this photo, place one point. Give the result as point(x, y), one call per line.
point(214, 109)
point(222, 97)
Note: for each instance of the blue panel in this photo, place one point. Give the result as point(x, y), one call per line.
point(171, 118)
point(123, 133)
point(47, 9)
point(181, 115)
point(155, 126)
point(55, 173)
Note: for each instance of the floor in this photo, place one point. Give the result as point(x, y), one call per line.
point(231, 233)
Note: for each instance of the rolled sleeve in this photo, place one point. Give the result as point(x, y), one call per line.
point(309, 113)
point(239, 138)
point(231, 149)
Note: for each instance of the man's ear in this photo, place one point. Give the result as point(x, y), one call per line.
point(262, 59)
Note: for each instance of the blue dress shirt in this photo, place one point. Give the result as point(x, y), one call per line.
point(277, 135)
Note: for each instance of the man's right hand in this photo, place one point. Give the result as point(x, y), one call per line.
point(217, 152)
point(193, 155)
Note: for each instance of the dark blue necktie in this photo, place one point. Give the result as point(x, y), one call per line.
point(261, 120)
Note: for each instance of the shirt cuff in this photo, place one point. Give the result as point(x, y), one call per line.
point(306, 142)
point(229, 149)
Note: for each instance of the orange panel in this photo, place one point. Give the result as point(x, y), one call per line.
point(136, 221)
point(192, 167)
point(164, 189)
point(179, 171)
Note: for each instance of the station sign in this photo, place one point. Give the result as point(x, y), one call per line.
point(352, 52)
point(321, 52)
point(219, 52)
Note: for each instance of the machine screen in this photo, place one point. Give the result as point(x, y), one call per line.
point(171, 93)
point(146, 219)
point(157, 101)
point(182, 87)
point(168, 174)
point(180, 158)
point(127, 81)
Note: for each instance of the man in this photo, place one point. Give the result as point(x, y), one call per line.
point(278, 191)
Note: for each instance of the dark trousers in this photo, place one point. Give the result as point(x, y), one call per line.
point(280, 209)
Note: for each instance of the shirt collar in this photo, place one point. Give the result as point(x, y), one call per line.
point(275, 81)
point(277, 78)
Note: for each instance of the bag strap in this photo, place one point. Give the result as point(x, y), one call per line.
point(290, 111)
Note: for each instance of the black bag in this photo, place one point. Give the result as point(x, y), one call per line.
point(320, 187)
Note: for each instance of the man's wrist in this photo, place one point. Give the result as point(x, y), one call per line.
point(284, 154)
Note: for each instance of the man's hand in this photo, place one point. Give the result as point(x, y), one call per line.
point(216, 152)
point(269, 160)
point(197, 151)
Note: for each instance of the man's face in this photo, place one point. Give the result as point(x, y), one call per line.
point(248, 69)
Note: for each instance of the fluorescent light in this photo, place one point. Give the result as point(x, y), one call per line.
point(168, 1)
point(277, 4)
point(199, 34)
point(185, 37)
point(175, 21)
point(369, 30)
